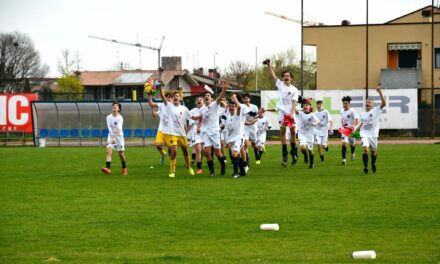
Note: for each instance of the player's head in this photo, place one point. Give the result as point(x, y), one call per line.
point(307, 105)
point(176, 97)
point(199, 101)
point(231, 106)
point(116, 107)
point(346, 100)
point(287, 77)
point(246, 98)
point(369, 104)
point(207, 97)
point(261, 112)
point(319, 104)
point(168, 97)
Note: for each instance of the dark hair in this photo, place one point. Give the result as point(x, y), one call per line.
point(246, 95)
point(231, 102)
point(287, 71)
point(120, 106)
point(346, 99)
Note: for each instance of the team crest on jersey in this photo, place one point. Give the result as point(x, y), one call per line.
point(116, 123)
point(310, 119)
point(371, 115)
point(288, 93)
point(348, 116)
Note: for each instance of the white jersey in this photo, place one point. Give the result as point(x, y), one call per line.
point(324, 118)
point(222, 113)
point(251, 114)
point(193, 124)
point(210, 118)
point(164, 123)
point(235, 127)
point(348, 117)
point(305, 125)
point(370, 122)
point(114, 123)
point(287, 95)
point(263, 124)
point(178, 115)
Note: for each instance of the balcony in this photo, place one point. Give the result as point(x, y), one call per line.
point(400, 78)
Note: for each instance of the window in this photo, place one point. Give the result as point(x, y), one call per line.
point(437, 58)
point(404, 55)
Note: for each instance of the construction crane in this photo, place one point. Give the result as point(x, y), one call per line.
point(135, 45)
point(305, 23)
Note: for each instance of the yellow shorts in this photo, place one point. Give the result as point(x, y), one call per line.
point(160, 138)
point(171, 140)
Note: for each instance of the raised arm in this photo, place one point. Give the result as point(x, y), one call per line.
point(225, 85)
point(237, 103)
point(151, 103)
point(270, 70)
point(382, 98)
point(162, 94)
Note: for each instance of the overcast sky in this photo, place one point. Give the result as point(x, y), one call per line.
point(193, 29)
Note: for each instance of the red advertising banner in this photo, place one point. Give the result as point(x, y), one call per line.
point(16, 112)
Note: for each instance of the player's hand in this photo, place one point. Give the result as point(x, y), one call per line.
point(266, 62)
point(379, 89)
point(113, 140)
point(330, 132)
point(198, 130)
point(224, 83)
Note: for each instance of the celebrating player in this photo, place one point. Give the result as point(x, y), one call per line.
point(163, 124)
point(306, 123)
point(323, 129)
point(115, 138)
point(263, 125)
point(350, 119)
point(369, 129)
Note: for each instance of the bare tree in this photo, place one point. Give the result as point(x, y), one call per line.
point(240, 72)
point(19, 61)
point(65, 65)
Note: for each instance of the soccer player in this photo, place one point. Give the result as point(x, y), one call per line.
point(196, 138)
point(323, 129)
point(178, 115)
point(250, 128)
point(223, 113)
point(369, 129)
point(306, 123)
point(235, 125)
point(210, 129)
point(163, 124)
point(350, 119)
point(263, 125)
point(286, 113)
point(115, 138)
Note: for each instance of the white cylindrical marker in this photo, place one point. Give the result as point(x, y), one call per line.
point(273, 227)
point(365, 254)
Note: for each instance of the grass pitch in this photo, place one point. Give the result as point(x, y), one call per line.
point(55, 203)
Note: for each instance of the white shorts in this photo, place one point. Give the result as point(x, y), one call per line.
point(236, 145)
point(305, 141)
point(250, 134)
point(261, 139)
point(196, 139)
point(350, 140)
point(211, 139)
point(370, 142)
point(119, 145)
point(321, 139)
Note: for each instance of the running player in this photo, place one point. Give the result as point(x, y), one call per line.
point(286, 113)
point(323, 129)
point(350, 119)
point(250, 128)
point(263, 125)
point(210, 129)
point(115, 138)
point(306, 123)
point(196, 138)
point(163, 124)
point(369, 130)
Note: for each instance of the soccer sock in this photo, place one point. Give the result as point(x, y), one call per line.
point(173, 166)
point(326, 148)
point(193, 156)
point(284, 152)
point(260, 153)
point(211, 166)
point(230, 155)
point(221, 160)
point(224, 158)
point(365, 159)
point(292, 149)
point(373, 160)
point(242, 164)
point(199, 165)
point(257, 155)
point(312, 157)
point(123, 165)
point(107, 164)
point(344, 152)
point(352, 149)
point(322, 157)
point(236, 163)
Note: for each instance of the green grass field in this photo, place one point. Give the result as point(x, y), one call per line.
point(55, 202)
